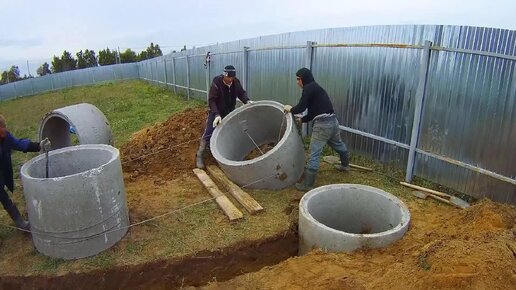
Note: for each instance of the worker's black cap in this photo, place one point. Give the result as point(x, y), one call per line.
point(229, 71)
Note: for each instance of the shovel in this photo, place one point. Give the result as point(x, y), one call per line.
point(424, 195)
point(446, 198)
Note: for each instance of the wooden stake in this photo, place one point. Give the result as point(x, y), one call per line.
point(224, 203)
point(249, 203)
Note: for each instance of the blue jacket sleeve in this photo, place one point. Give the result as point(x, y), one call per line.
point(18, 144)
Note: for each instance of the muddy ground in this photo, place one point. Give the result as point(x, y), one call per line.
point(444, 247)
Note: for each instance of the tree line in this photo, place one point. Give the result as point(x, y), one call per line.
point(85, 59)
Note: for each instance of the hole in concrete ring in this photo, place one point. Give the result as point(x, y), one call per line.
point(258, 125)
point(57, 129)
point(279, 161)
point(346, 217)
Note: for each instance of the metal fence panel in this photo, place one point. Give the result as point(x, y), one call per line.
point(8, 91)
point(42, 84)
point(469, 113)
point(272, 75)
point(372, 90)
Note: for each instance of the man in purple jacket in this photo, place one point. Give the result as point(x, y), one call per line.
point(7, 143)
point(224, 90)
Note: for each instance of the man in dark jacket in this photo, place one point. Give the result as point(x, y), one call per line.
point(325, 126)
point(7, 143)
point(224, 90)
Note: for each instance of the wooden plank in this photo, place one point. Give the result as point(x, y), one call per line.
point(224, 203)
point(249, 203)
point(336, 160)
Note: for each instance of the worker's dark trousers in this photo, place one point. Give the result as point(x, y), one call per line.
point(10, 207)
point(208, 130)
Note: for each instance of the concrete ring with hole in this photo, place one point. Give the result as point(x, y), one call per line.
point(346, 217)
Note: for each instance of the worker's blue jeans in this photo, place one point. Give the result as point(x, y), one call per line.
point(326, 131)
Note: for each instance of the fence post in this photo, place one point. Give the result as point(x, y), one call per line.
point(187, 78)
point(174, 74)
point(245, 68)
point(305, 128)
point(208, 73)
point(165, 71)
point(418, 110)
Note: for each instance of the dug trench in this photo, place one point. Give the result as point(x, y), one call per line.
point(195, 270)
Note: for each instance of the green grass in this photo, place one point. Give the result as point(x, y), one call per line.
point(128, 105)
point(48, 265)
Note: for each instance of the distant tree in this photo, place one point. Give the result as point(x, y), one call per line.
point(142, 56)
point(91, 58)
point(128, 56)
point(86, 59)
point(184, 48)
point(57, 65)
point(69, 63)
point(3, 78)
point(43, 70)
point(107, 57)
point(12, 75)
point(153, 51)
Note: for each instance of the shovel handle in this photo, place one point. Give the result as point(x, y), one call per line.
point(444, 200)
point(360, 167)
point(438, 193)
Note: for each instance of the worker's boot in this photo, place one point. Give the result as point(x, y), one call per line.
point(309, 181)
point(199, 157)
point(15, 215)
point(344, 163)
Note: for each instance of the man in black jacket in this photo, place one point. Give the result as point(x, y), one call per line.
point(8, 143)
point(224, 90)
point(325, 126)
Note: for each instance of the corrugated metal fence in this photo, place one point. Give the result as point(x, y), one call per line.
point(68, 79)
point(439, 101)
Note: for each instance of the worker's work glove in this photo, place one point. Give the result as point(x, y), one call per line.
point(44, 145)
point(249, 102)
point(217, 121)
point(287, 108)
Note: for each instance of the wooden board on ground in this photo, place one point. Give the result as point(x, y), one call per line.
point(249, 203)
point(224, 203)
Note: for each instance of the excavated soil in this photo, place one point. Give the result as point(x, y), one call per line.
point(445, 247)
point(166, 150)
point(261, 150)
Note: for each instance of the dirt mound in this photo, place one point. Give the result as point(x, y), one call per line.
point(445, 248)
point(165, 150)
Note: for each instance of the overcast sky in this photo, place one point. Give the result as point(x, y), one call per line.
point(35, 31)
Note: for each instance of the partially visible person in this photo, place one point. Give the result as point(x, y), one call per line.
point(8, 143)
point(224, 91)
point(325, 128)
